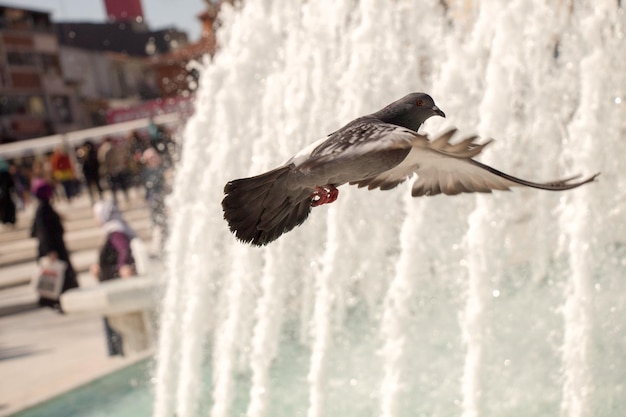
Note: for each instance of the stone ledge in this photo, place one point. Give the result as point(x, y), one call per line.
point(112, 297)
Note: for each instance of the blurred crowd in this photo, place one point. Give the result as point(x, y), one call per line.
point(107, 166)
point(105, 169)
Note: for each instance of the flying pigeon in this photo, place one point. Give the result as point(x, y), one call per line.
point(380, 150)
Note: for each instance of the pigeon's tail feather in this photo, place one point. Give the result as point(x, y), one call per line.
point(258, 213)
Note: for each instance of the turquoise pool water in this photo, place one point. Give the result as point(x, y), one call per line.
point(125, 393)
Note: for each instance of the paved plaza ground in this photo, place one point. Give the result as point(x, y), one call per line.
point(44, 353)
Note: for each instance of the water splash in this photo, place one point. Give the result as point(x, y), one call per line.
point(505, 304)
point(396, 313)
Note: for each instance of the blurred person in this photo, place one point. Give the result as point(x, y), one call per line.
point(63, 171)
point(88, 157)
point(156, 190)
point(135, 146)
point(41, 170)
point(48, 230)
point(20, 179)
point(114, 162)
point(114, 261)
point(7, 190)
point(162, 142)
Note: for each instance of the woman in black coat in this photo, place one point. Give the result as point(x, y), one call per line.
point(48, 230)
point(7, 188)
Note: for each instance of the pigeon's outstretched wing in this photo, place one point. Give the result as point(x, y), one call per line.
point(447, 168)
point(379, 150)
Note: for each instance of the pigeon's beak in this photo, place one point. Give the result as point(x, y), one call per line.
point(438, 111)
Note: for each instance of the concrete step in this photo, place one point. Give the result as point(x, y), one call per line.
point(83, 237)
point(22, 274)
point(81, 230)
point(26, 251)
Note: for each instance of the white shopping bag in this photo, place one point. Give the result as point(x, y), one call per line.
point(51, 275)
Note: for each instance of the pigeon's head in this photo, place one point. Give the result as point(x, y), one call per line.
point(410, 111)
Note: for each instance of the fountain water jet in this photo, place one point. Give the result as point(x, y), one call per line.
point(504, 304)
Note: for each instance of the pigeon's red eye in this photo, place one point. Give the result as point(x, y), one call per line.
point(420, 103)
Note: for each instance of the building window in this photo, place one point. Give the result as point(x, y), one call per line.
point(62, 109)
point(22, 59)
point(50, 64)
point(18, 19)
point(41, 22)
point(22, 105)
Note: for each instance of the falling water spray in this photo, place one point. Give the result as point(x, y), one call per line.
point(503, 304)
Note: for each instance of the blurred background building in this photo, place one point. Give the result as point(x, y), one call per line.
point(61, 76)
point(35, 99)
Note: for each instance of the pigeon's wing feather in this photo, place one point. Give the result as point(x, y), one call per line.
point(305, 153)
point(361, 137)
point(444, 167)
point(417, 160)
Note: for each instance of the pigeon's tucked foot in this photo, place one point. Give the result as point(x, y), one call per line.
point(324, 195)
